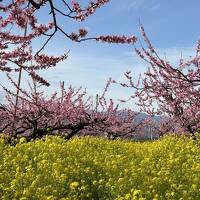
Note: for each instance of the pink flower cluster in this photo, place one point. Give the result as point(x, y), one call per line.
point(82, 14)
point(77, 37)
point(16, 49)
point(117, 39)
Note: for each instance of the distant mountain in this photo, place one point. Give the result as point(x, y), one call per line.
point(145, 133)
point(142, 116)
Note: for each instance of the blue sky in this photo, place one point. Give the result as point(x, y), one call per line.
point(172, 26)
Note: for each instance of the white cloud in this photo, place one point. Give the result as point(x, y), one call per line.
point(155, 7)
point(138, 4)
point(172, 54)
point(131, 4)
point(93, 70)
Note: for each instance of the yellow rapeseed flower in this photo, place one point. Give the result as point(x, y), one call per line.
point(73, 185)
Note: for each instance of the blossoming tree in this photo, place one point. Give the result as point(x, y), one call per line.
point(68, 114)
point(31, 111)
point(173, 92)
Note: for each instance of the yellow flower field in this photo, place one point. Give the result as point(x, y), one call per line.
point(96, 168)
